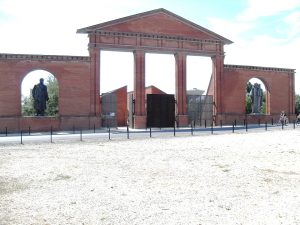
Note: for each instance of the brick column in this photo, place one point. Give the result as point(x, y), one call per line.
point(218, 70)
point(95, 108)
point(181, 98)
point(292, 100)
point(139, 89)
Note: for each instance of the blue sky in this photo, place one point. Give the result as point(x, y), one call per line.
point(264, 32)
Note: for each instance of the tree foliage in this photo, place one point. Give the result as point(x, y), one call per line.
point(297, 106)
point(52, 104)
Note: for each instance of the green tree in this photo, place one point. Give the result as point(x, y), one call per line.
point(297, 106)
point(52, 104)
point(248, 87)
point(248, 98)
point(27, 106)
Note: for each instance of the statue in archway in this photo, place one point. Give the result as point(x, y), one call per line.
point(40, 96)
point(256, 98)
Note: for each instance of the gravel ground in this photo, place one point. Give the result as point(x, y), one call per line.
point(244, 179)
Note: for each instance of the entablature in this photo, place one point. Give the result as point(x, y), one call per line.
point(154, 42)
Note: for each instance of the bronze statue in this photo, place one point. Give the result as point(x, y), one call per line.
point(256, 98)
point(40, 96)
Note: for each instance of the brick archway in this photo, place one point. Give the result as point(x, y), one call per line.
point(156, 31)
point(279, 83)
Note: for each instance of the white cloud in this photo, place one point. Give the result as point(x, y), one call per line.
point(229, 29)
point(49, 27)
point(261, 8)
point(293, 21)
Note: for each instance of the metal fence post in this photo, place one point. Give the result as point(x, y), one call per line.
point(233, 127)
point(109, 133)
point(51, 133)
point(294, 124)
point(127, 132)
point(192, 132)
point(212, 128)
point(174, 130)
point(150, 132)
point(80, 134)
point(21, 137)
point(266, 126)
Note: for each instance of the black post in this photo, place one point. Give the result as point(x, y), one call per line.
point(266, 126)
point(21, 137)
point(174, 130)
point(244, 122)
point(194, 123)
point(282, 124)
point(233, 127)
point(246, 126)
point(80, 134)
point(29, 130)
point(127, 132)
point(150, 132)
point(212, 128)
point(94, 128)
point(258, 122)
point(235, 123)
point(192, 132)
point(294, 124)
point(109, 133)
point(205, 123)
point(272, 121)
point(51, 133)
point(6, 131)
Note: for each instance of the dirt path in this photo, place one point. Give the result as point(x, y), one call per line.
point(218, 179)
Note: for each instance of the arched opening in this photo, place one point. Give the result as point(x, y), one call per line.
point(160, 72)
point(116, 81)
point(200, 105)
point(116, 70)
point(257, 97)
point(199, 70)
point(29, 105)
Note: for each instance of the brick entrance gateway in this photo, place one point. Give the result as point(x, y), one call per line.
point(158, 31)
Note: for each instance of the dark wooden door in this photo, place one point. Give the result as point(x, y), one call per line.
point(160, 110)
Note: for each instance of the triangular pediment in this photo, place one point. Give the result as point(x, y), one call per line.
point(157, 22)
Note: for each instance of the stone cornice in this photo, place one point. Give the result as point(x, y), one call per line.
point(154, 43)
point(7, 56)
point(256, 68)
point(153, 36)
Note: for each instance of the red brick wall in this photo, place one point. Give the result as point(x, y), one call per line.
point(122, 113)
point(74, 80)
point(278, 83)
